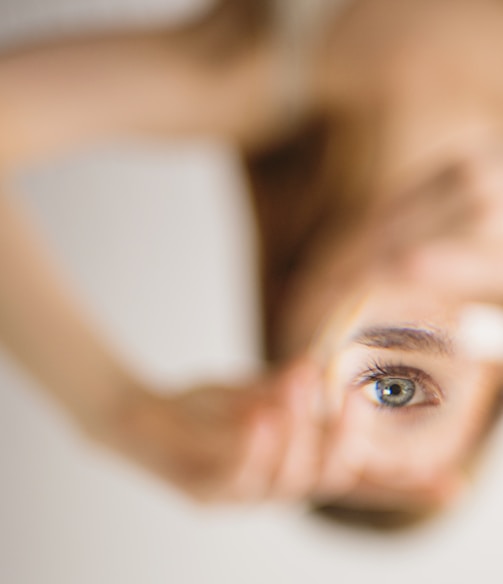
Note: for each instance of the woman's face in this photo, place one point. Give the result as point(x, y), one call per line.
point(411, 383)
point(411, 395)
point(409, 398)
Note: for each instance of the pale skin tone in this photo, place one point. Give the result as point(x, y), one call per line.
point(437, 176)
point(425, 87)
point(212, 444)
point(439, 171)
point(406, 450)
point(262, 442)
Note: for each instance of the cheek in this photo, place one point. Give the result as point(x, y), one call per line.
point(392, 451)
point(468, 412)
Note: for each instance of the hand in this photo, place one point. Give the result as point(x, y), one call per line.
point(469, 267)
point(229, 444)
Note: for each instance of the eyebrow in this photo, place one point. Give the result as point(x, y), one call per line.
point(405, 339)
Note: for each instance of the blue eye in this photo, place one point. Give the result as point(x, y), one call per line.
point(394, 392)
point(398, 387)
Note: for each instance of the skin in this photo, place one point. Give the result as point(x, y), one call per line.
point(417, 88)
point(267, 441)
point(425, 87)
point(411, 455)
point(257, 442)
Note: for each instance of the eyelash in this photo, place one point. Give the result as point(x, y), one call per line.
point(377, 370)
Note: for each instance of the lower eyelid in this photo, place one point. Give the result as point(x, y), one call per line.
point(409, 414)
point(433, 395)
point(419, 413)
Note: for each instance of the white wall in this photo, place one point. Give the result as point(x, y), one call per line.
point(156, 240)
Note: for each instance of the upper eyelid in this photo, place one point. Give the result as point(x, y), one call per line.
point(378, 370)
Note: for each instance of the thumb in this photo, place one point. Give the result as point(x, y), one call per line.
point(298, 381)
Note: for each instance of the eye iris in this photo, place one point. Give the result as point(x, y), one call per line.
point(395, 392)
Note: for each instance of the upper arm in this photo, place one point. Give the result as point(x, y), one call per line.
point(61, 95)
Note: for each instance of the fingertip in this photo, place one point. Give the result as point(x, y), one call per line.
point(254, 473)
point(300, 381)
point(262, 424)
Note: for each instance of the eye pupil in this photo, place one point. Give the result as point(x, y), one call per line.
point(395, 389)
point(395, 392)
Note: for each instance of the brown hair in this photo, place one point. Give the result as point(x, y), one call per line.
point(376, 519)
point(309, 191)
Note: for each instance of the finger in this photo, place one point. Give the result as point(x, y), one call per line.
point(262, 448)
point(344, 453)
point(466, 273)
point(296, 473)
point(339, 470)
point(420, 222)
point(266, 439)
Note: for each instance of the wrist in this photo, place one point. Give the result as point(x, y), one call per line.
point(105, 413)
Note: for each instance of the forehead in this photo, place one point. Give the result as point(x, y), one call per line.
point(391, 304)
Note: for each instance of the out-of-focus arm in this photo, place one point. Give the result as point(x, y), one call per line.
point(68, 94)
point(46, 330)
point(71, 94)
point(214, 444)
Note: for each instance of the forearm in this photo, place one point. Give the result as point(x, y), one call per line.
point(48, 333)
point(74, 93)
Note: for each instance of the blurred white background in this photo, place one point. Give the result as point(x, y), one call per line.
point(157, 241)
